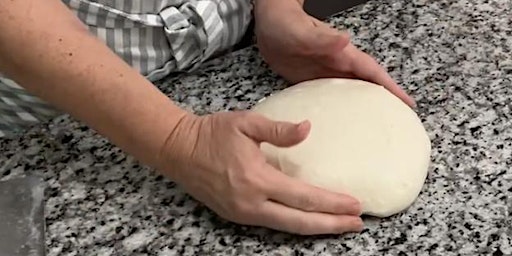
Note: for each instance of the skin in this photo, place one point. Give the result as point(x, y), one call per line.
point(215, 158)
point(303, 48)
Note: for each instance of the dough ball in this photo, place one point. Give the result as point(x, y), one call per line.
point(364, 141)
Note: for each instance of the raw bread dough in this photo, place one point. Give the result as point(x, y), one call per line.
point(364, 141)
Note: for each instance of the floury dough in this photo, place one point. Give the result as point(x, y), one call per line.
point(364, 141)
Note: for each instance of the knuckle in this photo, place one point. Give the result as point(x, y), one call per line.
point(303, 47)
point(241, 211)
point(245, 116)
point(250, 179)
point(277, 130)
point(245, 196)
point(243, 181)
point(244, 119)
point(257, 184)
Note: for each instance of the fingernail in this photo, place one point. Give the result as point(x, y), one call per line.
point(302, 123)
point(413, 102)
point(357, 207)
point(303, 126)
point(355, 225)
point(358, 225)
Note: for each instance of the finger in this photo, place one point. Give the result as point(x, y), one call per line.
point(331, 39)
point(280, 217)
point(328, 40)
point(368, 69)
point(297, 194)
point(281, 134)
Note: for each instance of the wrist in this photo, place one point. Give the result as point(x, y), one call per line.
point(179, 143)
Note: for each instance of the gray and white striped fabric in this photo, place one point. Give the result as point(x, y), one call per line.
point(156, 37)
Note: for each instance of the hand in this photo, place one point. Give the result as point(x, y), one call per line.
point(300, 47)
point(216, 158)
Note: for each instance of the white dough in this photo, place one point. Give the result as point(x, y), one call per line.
point(364, 141)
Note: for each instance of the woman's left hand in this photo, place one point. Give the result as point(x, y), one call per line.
point(299, 47)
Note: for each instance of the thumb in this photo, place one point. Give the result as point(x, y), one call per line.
point(329, 40)
point(281, 134)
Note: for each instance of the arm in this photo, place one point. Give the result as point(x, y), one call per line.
point(49, 52)
point(299, 47)
point(216, 157)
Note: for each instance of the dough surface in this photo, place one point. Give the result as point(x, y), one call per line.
point(364, 141)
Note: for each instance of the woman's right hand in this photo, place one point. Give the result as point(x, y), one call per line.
point(217, 159)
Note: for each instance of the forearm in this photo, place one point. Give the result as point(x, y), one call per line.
point(48, 51)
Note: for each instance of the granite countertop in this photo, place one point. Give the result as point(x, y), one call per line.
point(452, 55)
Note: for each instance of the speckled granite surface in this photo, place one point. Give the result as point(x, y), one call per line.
point(452, 55)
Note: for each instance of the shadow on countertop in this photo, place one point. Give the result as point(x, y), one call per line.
point(322, 9)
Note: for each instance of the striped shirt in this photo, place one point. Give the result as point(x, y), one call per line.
point(156, 37)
